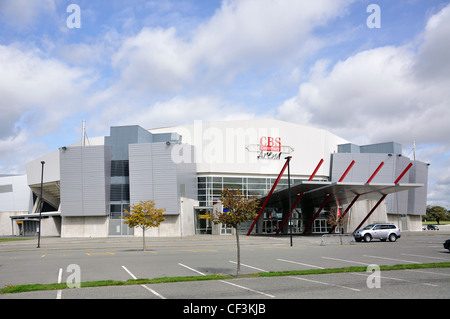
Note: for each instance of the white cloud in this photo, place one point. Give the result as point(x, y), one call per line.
point(398, 93)
point(36, 95)
point(433, 54)
point(154, 61)
point(156, 64)
point(379, 94)
point(174, 111)
point(240, 36)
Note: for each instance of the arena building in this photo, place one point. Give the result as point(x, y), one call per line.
point(87, 185)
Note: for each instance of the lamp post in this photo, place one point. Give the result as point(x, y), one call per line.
point(40, 206)
point(288, 158)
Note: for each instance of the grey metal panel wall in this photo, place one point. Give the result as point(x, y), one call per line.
point(122, 136)
point(141, 172)
point(362, 170)
point(418, 197)
point(411, 202)
point(166, 190)
point(155, 176)
point(85, 181)
point(187, 177)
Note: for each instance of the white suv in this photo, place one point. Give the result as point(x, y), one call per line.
point(378, 231)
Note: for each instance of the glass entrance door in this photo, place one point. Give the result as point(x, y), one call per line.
point(117, 227)
point(203, 222)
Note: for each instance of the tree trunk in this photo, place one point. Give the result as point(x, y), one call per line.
point(238, 270)
point(143, 239)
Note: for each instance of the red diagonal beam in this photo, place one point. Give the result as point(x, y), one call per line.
point(346, 171)
point(345, 212)
point(403, 173)
point(371, 211)
point(356, 197)
point(315, 171)
point(317, 213)
point(375, 173)
point(298, 198)
point(384, 196)
point(290, 212)
point(327, 199)
point(269, 195)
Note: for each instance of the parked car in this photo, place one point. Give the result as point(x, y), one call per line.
point(432, 227)
point(378, 231)
point(447, 244)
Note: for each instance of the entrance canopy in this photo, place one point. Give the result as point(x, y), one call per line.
point(331, 194)
point(316, 192)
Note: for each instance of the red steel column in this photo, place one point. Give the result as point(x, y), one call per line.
point(268, 196)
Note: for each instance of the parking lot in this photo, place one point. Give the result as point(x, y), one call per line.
point(122, 259)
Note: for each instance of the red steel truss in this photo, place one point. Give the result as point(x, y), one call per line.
point(268, 196)
point(384, 196)
point(326, 200)
point(356, 198)
point(298, 198)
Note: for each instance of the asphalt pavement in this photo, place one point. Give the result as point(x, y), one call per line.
point(121, 258)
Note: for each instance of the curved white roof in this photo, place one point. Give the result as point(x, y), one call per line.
point(257, 147)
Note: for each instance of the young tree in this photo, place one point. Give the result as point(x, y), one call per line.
point(237, 208)
point(144, 215)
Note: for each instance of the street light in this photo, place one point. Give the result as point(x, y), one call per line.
point(40, 206)
point(288, 158)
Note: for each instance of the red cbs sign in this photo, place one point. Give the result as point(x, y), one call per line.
point(270, 144)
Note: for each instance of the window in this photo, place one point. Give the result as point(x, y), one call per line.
point(120, 168)
point(120, 192)
point(117, 211)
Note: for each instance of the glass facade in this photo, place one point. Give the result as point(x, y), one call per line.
point(210, 187)
point(119, 198)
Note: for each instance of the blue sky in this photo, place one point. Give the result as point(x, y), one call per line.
point(162, 63)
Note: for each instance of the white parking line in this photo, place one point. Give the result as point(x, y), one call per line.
point(198, 272)
point(324, 283)
point(144, 286)
point(295, 262)
point(362, 274)
point(402, 260)
point(246, 288)
point(427, 272)
point(230, 283)
point(346, 261)
point(425, 256)
point(59, 292)
point(262, 270)
point(315, 281)
point(392, 278)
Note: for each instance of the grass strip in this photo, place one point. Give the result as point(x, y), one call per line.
point(14, 239)
point(145, 281)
